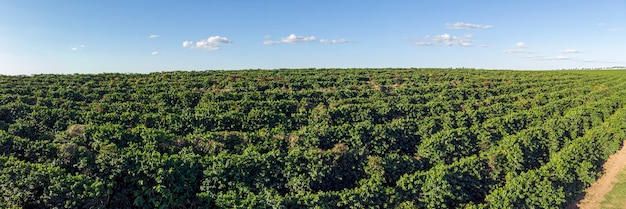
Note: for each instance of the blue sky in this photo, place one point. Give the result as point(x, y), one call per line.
point(79, 36)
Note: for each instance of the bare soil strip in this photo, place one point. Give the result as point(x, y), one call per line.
point(594, 195)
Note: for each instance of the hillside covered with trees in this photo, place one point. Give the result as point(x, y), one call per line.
point(326, 138)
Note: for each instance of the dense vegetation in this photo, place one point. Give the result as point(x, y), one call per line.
point(327, 138)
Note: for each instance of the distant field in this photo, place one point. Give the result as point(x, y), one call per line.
point(306, 138)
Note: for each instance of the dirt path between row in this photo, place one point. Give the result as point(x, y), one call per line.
point(594, 195)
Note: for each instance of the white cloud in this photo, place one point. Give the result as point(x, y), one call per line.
point(211, 44)
point(534, 57)
point(154, 36)
point(449, 40)
point(218, 39)
point(155, 53)
point(570, 51)
point(517, 51)
point(587, 60)
point(446, 40)
point(612, 29)
point(545, 58)
point(295, 39)
point(520, 48)
point(521, 45)
point(552, 58)
point(600, 61)
point(423, 43)
point(267, 42)
point(561, 57)
point(187, 44)
point(339, 41)
point(615, 29)
point(466, 26)
point(77, 47)
point(484, 45)
point(571, 59)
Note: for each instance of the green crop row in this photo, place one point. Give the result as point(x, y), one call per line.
point(307, 138)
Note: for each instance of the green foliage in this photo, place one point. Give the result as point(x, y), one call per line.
point(307, 138)
point(449, 146)
point(529, 190)
point(447, 186)
point(31, 185)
